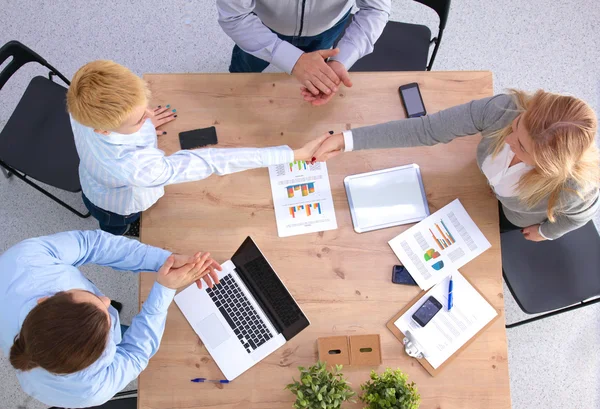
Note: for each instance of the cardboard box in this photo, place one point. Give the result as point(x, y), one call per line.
point(334, 350)
point(362, 350)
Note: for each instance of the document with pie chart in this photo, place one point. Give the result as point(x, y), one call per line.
point(440, 244)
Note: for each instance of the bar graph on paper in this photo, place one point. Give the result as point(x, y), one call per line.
point(441, 235)
point(305, 210)
point(303, 189)
point(302, 198)
point(297, 167)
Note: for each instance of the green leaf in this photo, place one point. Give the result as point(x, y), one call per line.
point(320, 397)
point(300, 394)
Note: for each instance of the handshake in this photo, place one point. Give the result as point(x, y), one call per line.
point(321, 149)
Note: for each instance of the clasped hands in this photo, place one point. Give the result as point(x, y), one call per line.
point(320, 79)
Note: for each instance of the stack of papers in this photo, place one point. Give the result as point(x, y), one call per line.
point(448, 330)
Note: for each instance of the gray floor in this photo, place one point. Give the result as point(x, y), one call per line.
point(527, 44)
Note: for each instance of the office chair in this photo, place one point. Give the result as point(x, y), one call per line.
point(554, 275)
point(405, 47)
point(122, 400)
point(37, 141)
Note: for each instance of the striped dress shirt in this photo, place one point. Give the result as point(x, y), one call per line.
point(126, 174)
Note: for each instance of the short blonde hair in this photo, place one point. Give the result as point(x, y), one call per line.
point(103, 93)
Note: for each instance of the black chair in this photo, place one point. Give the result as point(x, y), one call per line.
point(555, 275)
point(405, 47)
point(37, 141)
point(126, 403)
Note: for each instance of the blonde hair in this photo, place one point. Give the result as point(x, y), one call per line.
point(103, 94)
point(563, 130)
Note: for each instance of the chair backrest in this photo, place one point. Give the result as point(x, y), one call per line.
point(441, 7)
point(21, 55)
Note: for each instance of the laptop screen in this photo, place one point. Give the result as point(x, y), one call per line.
point(264, 284)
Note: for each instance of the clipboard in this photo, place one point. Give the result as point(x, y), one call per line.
point(423, 361)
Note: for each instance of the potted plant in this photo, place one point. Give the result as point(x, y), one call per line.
point(390, 390)
point(318, 388)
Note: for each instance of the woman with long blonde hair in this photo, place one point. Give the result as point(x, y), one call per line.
point(538, 153)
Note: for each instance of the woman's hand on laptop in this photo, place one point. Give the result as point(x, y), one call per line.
point(180, 271)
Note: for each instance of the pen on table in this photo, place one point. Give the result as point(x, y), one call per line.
point(450, 301)
point(201, 380)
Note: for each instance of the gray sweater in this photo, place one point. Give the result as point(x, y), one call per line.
point(481, 116)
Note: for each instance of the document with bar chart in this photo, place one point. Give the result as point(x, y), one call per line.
point(444, 241)
point(302, 198)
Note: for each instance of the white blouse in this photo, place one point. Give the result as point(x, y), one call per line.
point(501, 177)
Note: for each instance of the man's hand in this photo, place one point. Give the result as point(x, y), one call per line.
point(330, 147)
point(532, 233)
point(315, 74)
point(190, 269)
point(308, 151)
point(161, 115)
point(322, 98)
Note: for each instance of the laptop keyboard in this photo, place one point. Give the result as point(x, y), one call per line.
point(239, 313)
point(273, 290)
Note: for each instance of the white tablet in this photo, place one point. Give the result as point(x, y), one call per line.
point(386, 198)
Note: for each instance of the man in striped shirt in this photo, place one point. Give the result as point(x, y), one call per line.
point(121, 169)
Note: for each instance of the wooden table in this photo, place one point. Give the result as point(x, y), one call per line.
point(340, 278)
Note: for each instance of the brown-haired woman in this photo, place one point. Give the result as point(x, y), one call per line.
point(538, 153)
point(62, 335)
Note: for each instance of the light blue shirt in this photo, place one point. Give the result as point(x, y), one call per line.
point(249, 24)
point(43, 266)
point(126, 174)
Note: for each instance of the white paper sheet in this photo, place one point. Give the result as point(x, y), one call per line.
point(446, 240)
point(448, 330)
point(302, 198)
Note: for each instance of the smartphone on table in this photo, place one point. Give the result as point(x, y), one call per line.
point(427, 311)
point(400, 275)
point(198, 138)
point(410, 94)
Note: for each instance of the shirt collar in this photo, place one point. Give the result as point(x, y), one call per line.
point(145, 136)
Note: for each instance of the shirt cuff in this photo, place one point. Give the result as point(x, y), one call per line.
point(156, 257)
point(348, 55)
point(286, 56)
point(542, 234)
point(159, 299)
point(348, 141)
point(276, 155)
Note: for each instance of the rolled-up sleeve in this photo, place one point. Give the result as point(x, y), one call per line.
point(366, 27)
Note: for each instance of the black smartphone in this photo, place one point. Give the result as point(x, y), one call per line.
point(427, 311)
point(198, 138)
point(410, 94)
point(400, 275)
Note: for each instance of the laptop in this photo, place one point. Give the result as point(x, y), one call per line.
point(247, 316)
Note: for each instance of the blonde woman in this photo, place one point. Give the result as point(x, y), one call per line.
point(538, 153)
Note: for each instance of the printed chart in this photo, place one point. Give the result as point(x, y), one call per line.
point(304, 189)
point(302, 198)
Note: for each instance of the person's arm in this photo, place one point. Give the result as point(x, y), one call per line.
point(366, 27)
point(238, 21)
point(151, 168)
point(141, 341)
point(442, 127)
point(94, 246)
point(571, 219)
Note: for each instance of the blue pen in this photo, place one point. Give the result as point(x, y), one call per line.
point(450, 301)
point(201, 380)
